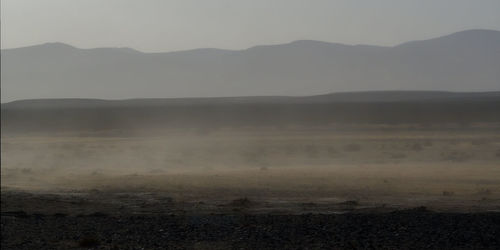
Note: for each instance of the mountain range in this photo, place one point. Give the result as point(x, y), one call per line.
point(464, 61)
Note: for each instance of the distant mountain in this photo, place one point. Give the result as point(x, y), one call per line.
point(463, 61)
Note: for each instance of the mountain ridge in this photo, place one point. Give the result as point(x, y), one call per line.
point(459, 33)
point(464, 61)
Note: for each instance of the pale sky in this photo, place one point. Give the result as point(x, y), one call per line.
point(170, 25)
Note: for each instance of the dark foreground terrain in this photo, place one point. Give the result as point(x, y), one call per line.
point(405, 229)
point(99, 221)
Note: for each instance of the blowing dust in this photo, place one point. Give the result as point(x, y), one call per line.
point(263, 164)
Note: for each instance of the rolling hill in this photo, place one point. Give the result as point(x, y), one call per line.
point(326, 111)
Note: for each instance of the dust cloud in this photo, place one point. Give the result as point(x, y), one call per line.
point(368, 165)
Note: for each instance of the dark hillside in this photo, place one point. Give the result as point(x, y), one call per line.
point(344, 108)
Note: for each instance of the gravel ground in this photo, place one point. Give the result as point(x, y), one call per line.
point(405, 229)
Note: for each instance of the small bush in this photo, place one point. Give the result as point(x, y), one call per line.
point(448, 193)
point(456, 156)
point(290, 150)
point(331, 150)
point(416, 147)
point(484, 191)
point(156, 171)
point(242, 203)
point(311, 151)
point(26, 170)
point(478, 142)
point(352, 147)
point(349, 203)
point(398, 156)
point(89, 241)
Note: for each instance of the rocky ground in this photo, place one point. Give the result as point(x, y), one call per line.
point(405, 229)
point(98, 221)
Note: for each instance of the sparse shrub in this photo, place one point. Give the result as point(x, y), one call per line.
point(331, 151)
point(203, 131)
point(241, 203)
point(290, 149)
point(456, 156)
point(156, 171)
point(94, 191)
point(255, 155)
point(17, 214)
point(478, 142)
point(416, 147)
point(186, 154)
point(311, 151)
point(421, 209)
point(98, 214)
point(464, 124)
point(448, 193)
point(349, 203)
point(89, 241)
point(26, 170)
point(309, 204)
point(398, 156)
point(484, 191)
point(352, 147)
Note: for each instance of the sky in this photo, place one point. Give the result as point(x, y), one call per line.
point(172, 25)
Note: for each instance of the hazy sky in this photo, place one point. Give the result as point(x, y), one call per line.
point(167, 25)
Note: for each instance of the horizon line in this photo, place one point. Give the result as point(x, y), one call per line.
point(248, 48)
point(255, 96)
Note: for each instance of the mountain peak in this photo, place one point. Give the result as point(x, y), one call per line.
point(477, 32)
point(479, 36)
point(55, 45)
point(44, 47)
point(473, 35)
point(310, 42)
